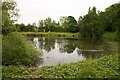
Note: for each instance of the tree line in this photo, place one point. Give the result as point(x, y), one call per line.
point(66, 24)
point(91, 25)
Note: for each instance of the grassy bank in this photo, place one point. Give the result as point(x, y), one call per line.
point(107, 36)
point(105, 67)
point(52, 34)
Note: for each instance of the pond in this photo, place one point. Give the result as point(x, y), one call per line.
point(59, 51)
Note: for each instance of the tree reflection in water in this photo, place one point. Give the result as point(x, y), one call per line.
point(59, 47)
point(67, 46)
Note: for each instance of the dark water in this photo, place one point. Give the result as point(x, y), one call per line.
point(60, 51)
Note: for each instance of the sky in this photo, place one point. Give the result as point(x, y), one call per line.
point(34, 10)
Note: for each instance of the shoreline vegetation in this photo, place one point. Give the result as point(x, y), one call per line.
point(107, 36)
point(52, 34)
point(104, 67)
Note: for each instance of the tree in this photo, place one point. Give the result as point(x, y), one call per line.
point(22, 27)
point(41, 26)
point(69, 24)
point(89, 25)
point(117, 24)
point(53, 26)
point(72, 24)
point(9, 16)
point(63, 23)
point(47, 25)
point(26, 28)
point(35, 28)
point(109, 17)
point(58, 28)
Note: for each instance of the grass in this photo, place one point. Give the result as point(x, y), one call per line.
point(105, 67)
point(109, 36)
point(53, 34)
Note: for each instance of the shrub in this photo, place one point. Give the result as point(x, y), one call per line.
point(18, 51)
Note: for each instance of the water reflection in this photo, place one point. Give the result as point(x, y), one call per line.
point(59, 51)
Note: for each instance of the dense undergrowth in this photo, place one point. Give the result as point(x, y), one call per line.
point(105, 67)
point(17, 50)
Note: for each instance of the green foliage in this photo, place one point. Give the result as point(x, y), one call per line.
point(109, 36)
point(41, 26)
point(111, 17)
point(118, 25)
point(9, 16)
point(18, 51)
point(93, 24)
point(63, 23)
point(69, 24)
point(66, 24)
point(18, 72)
point(53, 34)
point(26, 28)
point(117, 37)
point(86, 72)
point(105, 67)
point(89, 25)
point(72, 24)
point(48, 25)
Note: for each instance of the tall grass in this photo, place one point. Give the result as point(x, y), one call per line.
point(18, 51)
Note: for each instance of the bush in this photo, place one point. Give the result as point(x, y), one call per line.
point(18, 51)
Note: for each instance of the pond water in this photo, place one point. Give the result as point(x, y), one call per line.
point(59, 51)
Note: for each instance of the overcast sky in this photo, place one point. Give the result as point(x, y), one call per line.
point(35, 10)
